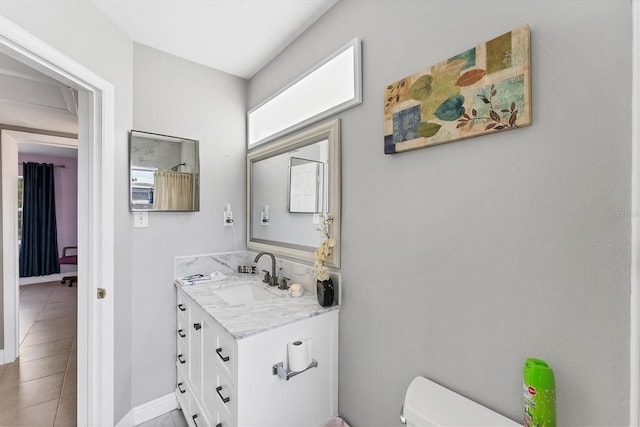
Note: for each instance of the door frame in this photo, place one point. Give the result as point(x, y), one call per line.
point(634, 369)
point(96, 124)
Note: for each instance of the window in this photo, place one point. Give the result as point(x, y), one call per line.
point(331, 86)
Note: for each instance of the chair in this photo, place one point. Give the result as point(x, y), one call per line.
point(69, 259)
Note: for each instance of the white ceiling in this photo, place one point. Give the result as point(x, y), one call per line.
point(238, 37)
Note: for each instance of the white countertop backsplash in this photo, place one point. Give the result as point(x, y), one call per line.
point(245, 320)
point(223, 262)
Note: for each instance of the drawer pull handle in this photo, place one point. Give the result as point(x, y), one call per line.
point(182, 334)
point(182, 307)
point(197, 326)
point(224, 358)
point(194, 419)
point(224, 399)
point(182, 391)
point(181, 360)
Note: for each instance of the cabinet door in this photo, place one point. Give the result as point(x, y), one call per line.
point(307, 399)
point(218, 392)
point(209, 396)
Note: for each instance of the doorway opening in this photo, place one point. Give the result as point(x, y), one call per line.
point(95, 382)
point(47, 310)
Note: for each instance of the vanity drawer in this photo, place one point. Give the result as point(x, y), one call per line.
point(183, 360)
point(190, 407)
point(224, 419)
point(182, 339)
point(182, 305)
point(183, 394)
point(182, 321)
point(226, 355)
point(196, 419)
point(182, 325)
point(218, 394)
point(225, 396)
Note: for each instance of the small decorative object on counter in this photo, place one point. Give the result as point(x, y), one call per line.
point(539, 390)
point(324, 284)
point(296, 290)
point(325, 292)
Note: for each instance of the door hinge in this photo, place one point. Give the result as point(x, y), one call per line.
point(102, 292)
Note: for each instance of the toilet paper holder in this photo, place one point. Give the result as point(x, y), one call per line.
point(279, 370)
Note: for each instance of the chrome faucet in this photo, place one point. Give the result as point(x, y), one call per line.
point(273, 280)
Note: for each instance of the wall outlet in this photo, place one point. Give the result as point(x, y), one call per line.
point(141, 219)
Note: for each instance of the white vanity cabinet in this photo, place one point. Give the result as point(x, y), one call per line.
point(225, 381)
point(203, 383)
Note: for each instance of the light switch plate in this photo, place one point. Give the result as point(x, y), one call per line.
point(141, 219)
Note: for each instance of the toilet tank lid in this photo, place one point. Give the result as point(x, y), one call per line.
point(429, 404)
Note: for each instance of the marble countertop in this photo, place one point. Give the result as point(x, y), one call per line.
point(246, 320)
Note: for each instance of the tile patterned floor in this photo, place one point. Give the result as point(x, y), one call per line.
point(39, 389)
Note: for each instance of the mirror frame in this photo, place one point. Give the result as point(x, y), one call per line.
point(330, 131)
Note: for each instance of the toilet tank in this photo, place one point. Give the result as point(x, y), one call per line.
point(429, 404)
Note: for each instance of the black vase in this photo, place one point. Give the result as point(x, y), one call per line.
point(324, 291)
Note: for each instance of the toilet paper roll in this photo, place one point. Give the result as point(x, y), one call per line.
point(300, 355)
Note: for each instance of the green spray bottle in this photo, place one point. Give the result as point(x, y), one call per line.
point(539, 389)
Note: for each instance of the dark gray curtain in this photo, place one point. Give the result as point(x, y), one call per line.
point(39, 244)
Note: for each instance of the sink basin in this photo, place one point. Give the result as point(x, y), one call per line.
point(243, 294)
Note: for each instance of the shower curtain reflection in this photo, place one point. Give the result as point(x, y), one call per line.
point(173, 191)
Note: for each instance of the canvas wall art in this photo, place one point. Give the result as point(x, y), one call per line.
point(483, 90)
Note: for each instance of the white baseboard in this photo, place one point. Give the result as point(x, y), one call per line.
point(4, 361)
point(127, 420)
point(149, 411)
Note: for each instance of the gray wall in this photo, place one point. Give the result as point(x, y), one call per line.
point(461, 260)
point(524, 250)
point(82, 33)
point(179, 98)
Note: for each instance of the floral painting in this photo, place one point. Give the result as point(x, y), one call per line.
point(483, 90)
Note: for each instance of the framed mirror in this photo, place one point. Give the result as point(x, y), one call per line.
point(164, 173)
point(292, 183)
